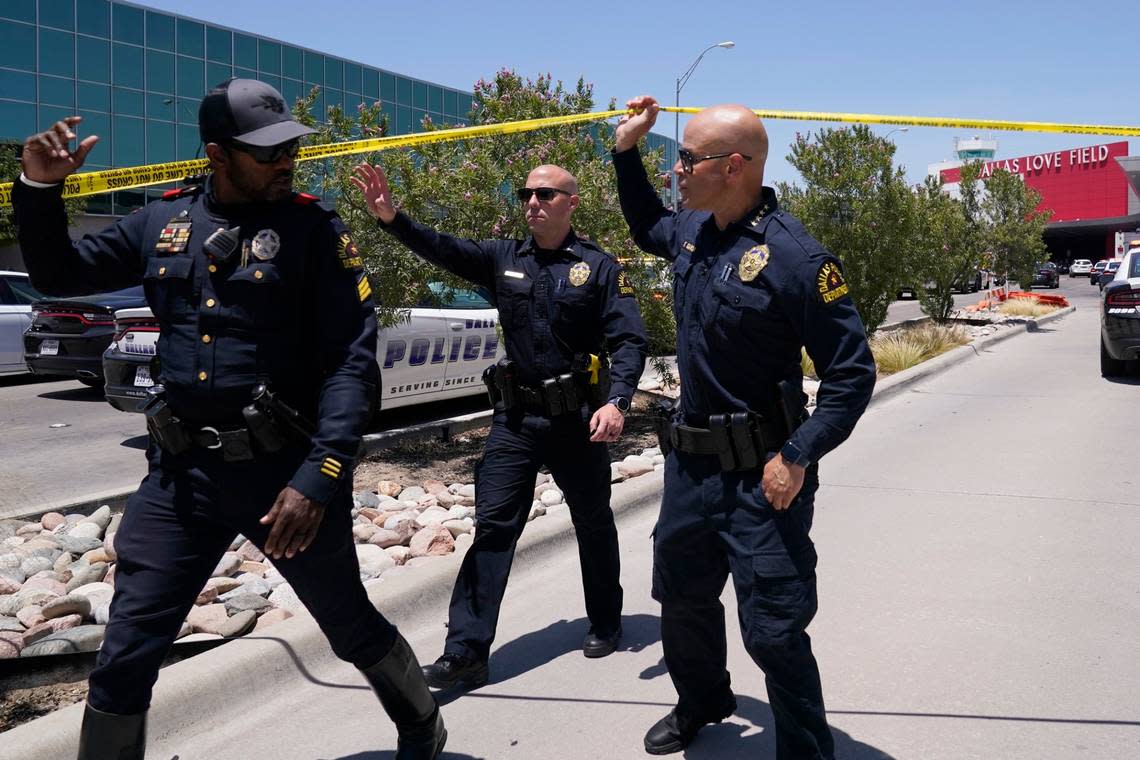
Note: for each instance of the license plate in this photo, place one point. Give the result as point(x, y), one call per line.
point(143, 378)
point(49, 347)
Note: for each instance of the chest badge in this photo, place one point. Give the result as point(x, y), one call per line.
point(265, 245)
point(753, 262)
point(579, 273)
point(174, 236)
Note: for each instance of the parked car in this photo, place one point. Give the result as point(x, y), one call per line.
point(1063, 268)
point(1110, 270)
point(69, 335)
point(981, 279)
point(1046, 276)
point(1120, 318)
point(1080, 267)
point(16, 298)
point(439, 353)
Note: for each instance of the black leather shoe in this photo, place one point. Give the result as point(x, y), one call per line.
point(456, 670)
point(399, 683)
point(600, 644)
point(105, 735)
point(676, 730)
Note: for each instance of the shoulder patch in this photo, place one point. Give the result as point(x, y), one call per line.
point(363, 288)
point(624, 286)
point(347, 252)
point(829, 280)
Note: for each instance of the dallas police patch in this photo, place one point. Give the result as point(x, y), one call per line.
point(624, 286)
point(830, 282)
point(347, 252)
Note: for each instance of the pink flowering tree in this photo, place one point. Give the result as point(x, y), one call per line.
point(466, 188)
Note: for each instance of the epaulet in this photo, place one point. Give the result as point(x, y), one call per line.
point(179, 192)
point(304, 199)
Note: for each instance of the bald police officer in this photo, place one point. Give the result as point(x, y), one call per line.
point(565, 305)
point(751, 287)
point(256, 288)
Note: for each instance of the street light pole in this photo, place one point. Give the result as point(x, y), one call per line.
point(681, 82)
point(896, 129)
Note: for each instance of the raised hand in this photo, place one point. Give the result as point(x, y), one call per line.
point(632, 128)
point(47, 156)
point(373, 183)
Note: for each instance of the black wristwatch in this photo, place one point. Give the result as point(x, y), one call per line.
point(622, 404)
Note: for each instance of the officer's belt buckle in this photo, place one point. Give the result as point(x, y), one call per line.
point(217, 438)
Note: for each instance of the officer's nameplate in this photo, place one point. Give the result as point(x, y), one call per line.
point(753, 262)
point(266, 244)
point(579, 273)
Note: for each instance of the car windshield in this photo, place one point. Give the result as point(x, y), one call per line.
point(1112, 266)
point(446, 297)
point(1134, 265)
point(23, 291)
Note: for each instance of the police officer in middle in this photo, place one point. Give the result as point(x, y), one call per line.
point(564, 305)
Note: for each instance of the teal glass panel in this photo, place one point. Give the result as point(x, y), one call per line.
point(98, 124)
point(435, 98)
point(92, 17)
point(191, 38)
point(188, 110)
point(451, 102)
point(334, 72)
point(55, 91)
point(291, 90)
point(19, 10)
point(370, 84)
point(245, 51)
point(57, 53)
point(418, 115)
point(159, 31)
point(419, 95)
point(94, 97)
point(314, 68)
point(292, 63)
point(216, 73)
point(271, 80)
point(245, 73)
point(389, 111)
point(387, 86)
point(160, 107)
point(17, 46)
point(188, 142)
point(218, 45)
point(127, 65)
point(51, 114)
point(403, 120)
point(465, 104)
point(333, 98)
point(17, 85)
point(268, 57)
point(93, 59)
point(127, 24)
point(352, 75)
point(127, 148)
point(191, 77)
point(58, 13)
point(17, 120)
point(159, 142)
point(403, 91)
point(160, 71)
point(127, 102)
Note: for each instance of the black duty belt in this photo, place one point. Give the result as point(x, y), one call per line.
point(740, 439)
point(232, 444)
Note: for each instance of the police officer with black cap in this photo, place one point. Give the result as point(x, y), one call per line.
point(268, 373)
point(751, 287)
point(564, 306)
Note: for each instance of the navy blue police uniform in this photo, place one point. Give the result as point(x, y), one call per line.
point(553, 305)
point(292, 309)
point(746, 299)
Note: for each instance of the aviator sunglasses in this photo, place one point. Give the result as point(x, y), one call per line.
point(545, 194)
point(268, 154)
point(688, 160)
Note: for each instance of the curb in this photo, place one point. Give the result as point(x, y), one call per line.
point(196, 691)
point(901, 381)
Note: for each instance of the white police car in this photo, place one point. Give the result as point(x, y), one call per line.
point(16, 298)
point(439, 353)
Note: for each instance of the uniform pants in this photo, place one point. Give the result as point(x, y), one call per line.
point(504, 489)
point(185, 515)
point(714, 524)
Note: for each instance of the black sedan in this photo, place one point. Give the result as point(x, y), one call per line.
point(1120, 320)
point(69, 335)
point(1108, 274)
point(1046, 276)
point(131, 361)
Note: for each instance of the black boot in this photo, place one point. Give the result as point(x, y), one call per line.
point(106, 736)
point(676, 730)
point(399, 683)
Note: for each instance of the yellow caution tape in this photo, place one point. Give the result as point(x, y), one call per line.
point(937, 121)
point(93, 183)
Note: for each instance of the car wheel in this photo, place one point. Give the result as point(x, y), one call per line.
point(1109, 367)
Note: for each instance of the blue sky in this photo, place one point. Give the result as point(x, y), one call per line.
point(1040, 61)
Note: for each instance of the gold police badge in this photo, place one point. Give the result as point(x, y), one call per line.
point(753, 262)
point(579, 273)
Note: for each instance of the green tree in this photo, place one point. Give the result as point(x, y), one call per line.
point(1015, 226)
point(941, 255)
point(857, 204)
point(10, 172)
point(466, 188)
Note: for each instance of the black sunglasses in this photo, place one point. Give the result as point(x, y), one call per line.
point(545, 194)
point(268, 154)
point(688, 160)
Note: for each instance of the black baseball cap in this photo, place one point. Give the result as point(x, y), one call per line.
point(248, 111)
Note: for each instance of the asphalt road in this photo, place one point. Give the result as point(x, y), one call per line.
point(978, 600)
